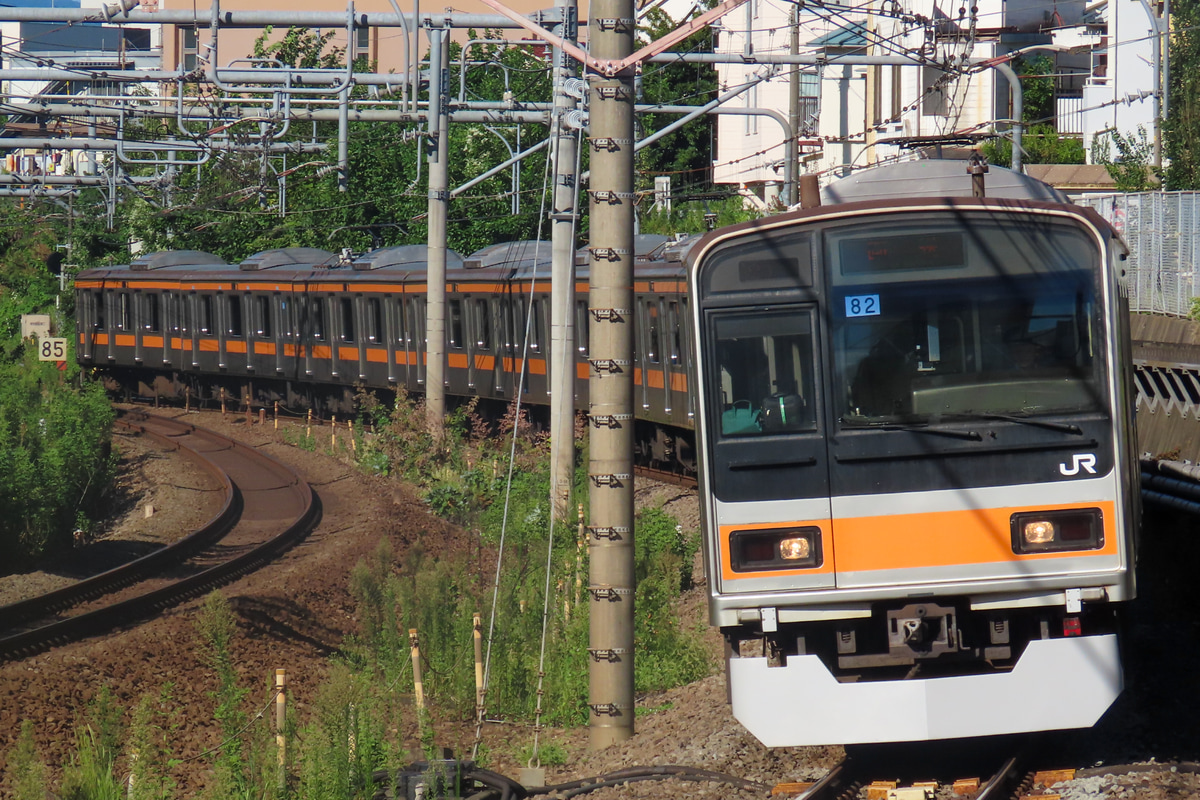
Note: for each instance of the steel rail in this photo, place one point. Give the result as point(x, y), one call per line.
point(149, 603)
point(129, 573)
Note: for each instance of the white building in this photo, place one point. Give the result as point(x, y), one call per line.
point(845, 116)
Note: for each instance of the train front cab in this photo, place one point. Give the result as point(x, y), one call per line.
point(915, 445)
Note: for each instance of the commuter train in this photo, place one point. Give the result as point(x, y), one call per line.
point(909, 411)
point(307, 328)
point(917, 463)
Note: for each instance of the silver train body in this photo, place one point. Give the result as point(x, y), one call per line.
point(916, 459)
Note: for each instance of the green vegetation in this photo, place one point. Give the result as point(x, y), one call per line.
point(1040, 141)
point(1131, 166)
point(355, 723)
point(55, 461)
point(1181, 129)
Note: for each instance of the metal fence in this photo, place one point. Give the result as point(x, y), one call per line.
point(1163, 232)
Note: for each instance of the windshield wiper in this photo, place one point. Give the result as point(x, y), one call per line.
point(862, 424)
point(1062, 427)
point(969, 435)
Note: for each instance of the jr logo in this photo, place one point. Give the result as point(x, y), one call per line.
point(1085, 460)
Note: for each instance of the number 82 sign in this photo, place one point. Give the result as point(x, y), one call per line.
point(52, 348)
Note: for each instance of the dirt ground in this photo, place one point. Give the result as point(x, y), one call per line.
point(294, 613)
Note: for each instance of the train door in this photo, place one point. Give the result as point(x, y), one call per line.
point(91, 322)
point(581, 349)
point(140, 301)
point(656, 388)
point(673, 361)
point(285, 334)
point(766, 437)
point(459, 372)
point(124, 347)
point(496, 321)
point(373, 339)
point(207, 327)
point(341, 323)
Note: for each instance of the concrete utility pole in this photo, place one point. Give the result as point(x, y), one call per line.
point(439, 200)
point(562, 285)
point(610, 385)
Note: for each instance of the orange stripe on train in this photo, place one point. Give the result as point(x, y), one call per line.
point(947, 538)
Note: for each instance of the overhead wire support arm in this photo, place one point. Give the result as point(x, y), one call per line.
point(612, 67)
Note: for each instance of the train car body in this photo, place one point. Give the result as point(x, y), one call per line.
point(916, 460)
point(305, 328)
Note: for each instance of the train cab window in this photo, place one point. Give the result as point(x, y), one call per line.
point(346, 309)
point(764, 372)
point(205, 322)
point(263, 307)
point(317, 317)
point(483, 324)
point(455, 323)
point(650, 347)
point(373, 324)
point(581, 327)
point(234, 304)
point(124, 312)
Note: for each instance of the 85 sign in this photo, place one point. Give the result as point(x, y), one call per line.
point(52, 348)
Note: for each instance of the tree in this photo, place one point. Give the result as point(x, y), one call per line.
point(1130, 168)
point(1041, 142)
point(1181, 129)
point(685, 153)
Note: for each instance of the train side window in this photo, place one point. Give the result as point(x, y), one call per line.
point(535, 332)
point(676, 336)
point(149, 314)
point(652, 327)
point(234, 304)
point(374, 320)
point(483, 321)
point(98, 306)
point(264, 316)
point(283, 320)
point(206, 314)
point(581, 327)
point(454, 317)
point(124, 311)
point(317, 305)
point(347, 314)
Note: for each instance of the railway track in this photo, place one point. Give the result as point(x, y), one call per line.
point(267, 508)
point(857, 777)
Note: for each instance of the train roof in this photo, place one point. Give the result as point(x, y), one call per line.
point(935, 178)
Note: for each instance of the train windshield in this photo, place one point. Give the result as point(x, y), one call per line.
point(959, 321)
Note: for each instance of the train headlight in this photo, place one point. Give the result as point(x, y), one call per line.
point(1052, 531)
point(773, 549)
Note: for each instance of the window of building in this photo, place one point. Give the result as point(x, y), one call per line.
point(188, 51)
point(934, 101)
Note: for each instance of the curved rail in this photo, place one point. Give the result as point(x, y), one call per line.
point(254, 465)
point(129, 573)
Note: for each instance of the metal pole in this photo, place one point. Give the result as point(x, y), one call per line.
point(1018, 108)
point(610, 384)
point(439, 182)
point(562, 284)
